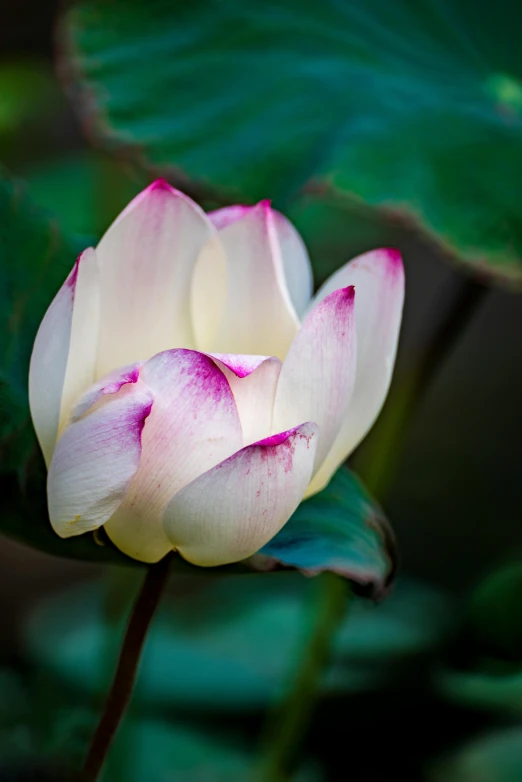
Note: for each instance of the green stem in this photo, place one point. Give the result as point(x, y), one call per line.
point(288, 723)
point(126, 671)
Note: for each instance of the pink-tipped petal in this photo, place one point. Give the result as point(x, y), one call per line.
point(231, 511)
point(244, 307)
point(378, 278)
point(222, 218)
point(318, 374)
point(194, 424)
point(64, 352)
point(146, 263)
point(94, 462)
point(253, 380)
point(296, 263)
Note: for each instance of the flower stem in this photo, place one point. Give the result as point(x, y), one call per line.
point(289, 721)
point(125, 676)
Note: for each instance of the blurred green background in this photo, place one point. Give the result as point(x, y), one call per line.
point(369, 124)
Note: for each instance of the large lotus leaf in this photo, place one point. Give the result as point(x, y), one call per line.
point(410, 107)
point(231, 643)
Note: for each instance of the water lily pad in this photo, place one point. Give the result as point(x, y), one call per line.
point(411, 108)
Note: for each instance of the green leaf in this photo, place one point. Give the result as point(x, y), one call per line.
point(412, 108)
point(494, 757)
point(342, 530)
point(231, 643)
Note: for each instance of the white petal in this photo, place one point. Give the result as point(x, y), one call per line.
point(318, 374)
point(231, 511)
point(146, 263)
point(64, 353)
point(253, 380)
point(94, 463)
point(298, 269)
point(194, 424)
point(378, 278)
point(296, 262)
point(256, 316)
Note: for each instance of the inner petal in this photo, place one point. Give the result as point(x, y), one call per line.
point(244, 306)
point(253, 380)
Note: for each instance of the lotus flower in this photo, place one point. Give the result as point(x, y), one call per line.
point(186, 390)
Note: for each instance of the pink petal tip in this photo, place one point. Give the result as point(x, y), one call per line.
point(160, 184)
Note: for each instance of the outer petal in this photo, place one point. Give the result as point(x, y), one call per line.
point(296, 263)
point(194, 424)
point(94, 462)
point(253, 380)
point(64, 353)
point(378, 278)
point(231, 511)
point(257, 315)
point(317, 377)
point(146, 264)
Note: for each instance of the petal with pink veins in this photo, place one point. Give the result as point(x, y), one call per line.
point(253, 380)
point(378, 278)
point(317, 376)
point(194, 425)
point(146, 263)
point(244, 307)
point(231, 511)
point(94, 462)
point(64, 352)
